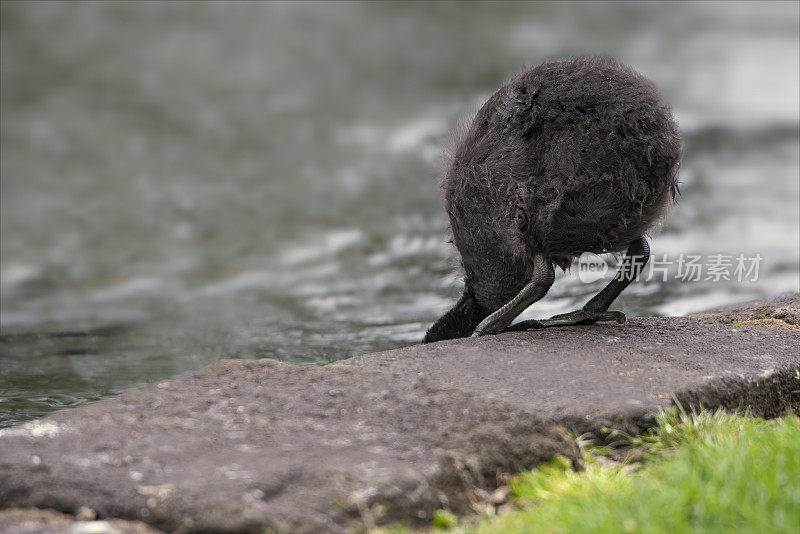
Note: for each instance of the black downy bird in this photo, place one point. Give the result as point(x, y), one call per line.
point(573, 156)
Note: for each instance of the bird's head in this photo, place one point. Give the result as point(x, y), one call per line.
point(488, 285)
point(460, 321)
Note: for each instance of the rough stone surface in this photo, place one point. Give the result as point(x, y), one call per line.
point(242, 445)
point(36, 521)
point(777, 312)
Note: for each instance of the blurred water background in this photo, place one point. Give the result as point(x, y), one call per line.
point(188, 182)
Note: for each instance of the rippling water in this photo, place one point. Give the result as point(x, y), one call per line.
point(188, 182)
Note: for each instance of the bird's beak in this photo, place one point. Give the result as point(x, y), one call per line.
point(460, 321)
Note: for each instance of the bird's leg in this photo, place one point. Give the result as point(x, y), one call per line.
point(596, 309)
point(543, 276)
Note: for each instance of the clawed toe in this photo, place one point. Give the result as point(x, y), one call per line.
point(530, 324)
point(617, 316)
point(578, 317)
point(486, 330)
point(583, 317)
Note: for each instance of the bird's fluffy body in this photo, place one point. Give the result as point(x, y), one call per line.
point(572, 156)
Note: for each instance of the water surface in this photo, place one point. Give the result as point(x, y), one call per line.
point(183, 183)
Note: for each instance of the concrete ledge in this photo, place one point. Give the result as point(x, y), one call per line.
point(245, 445)
point(777, 312)
point(36, 521)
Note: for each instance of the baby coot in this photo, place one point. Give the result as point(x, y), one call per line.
point(573, 156)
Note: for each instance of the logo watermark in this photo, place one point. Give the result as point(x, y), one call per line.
point(684, 267)
point(591, 268)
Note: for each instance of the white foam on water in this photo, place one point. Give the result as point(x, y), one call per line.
point(18, 274)
point(699, 301)
point(326, 245)
point(360, 133)
point(129, 288)
point(402, 246)
point(329, 303)
point(235, 283)
point(413, 135)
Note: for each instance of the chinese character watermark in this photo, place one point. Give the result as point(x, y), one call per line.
point(684, 267)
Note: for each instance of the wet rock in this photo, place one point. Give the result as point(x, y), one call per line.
point(35, 521)
point(244, 445)
point(777, 312)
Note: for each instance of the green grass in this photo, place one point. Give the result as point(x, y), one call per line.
point(711, 472)
point(708, 472)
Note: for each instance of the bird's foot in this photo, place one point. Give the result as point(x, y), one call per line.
point(583, 317)
point(531, 324)
point(565, 319)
